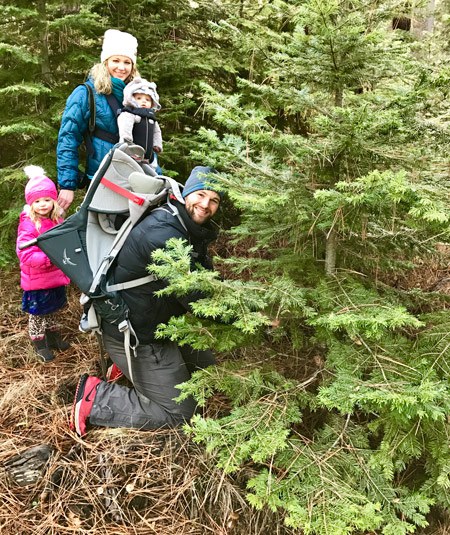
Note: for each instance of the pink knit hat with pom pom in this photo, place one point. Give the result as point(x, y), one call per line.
point(38, 185)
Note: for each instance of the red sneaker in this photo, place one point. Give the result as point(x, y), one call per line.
point(114, 373)
point(82, 405)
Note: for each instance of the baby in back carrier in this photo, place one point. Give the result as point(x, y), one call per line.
point(137, 121)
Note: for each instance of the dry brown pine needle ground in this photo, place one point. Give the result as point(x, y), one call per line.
point(116, 481)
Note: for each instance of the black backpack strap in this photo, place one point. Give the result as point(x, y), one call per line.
point(103, 134)
point(91, 125)
point(142, 112)
point(92, 130)
point(92, 110)
point(106, 136)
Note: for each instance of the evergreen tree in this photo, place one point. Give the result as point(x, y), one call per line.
point(178, 49)
point(338, 167)
point(45, 48)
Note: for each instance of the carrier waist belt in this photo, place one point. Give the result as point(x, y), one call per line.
point(106, 136)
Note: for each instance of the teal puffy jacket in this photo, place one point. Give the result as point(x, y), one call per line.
point(74, 123)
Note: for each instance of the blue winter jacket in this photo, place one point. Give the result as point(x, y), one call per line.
point(74, 123)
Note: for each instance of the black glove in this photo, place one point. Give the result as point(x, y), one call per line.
point(27, 467)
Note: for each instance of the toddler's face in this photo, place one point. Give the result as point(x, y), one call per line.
point(43, 206)
point(144, 101)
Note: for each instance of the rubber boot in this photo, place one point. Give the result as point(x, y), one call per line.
point(55, 341)
point(42, 350)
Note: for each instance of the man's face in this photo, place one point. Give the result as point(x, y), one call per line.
point(201, 205)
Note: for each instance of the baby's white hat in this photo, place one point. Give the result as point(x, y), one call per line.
point(140, 85)
point(117, 43)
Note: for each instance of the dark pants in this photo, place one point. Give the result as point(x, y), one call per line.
point(157, 369)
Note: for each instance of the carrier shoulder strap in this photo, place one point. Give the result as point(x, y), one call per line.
point(114, 104)
point(92, 118)
point(103, 134)
point(92, 110)
point(92, 130)
point(131, 284)
point(171, 209)
point(142, 112)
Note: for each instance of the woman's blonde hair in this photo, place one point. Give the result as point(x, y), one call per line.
point(102, 78)
point(55, 215)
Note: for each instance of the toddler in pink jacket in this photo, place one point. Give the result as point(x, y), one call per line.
point(43, 284)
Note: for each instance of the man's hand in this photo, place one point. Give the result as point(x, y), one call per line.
point(65, 198)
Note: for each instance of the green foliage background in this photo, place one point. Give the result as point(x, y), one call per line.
point(329, 132)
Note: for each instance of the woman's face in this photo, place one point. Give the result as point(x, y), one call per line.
point(119, 66)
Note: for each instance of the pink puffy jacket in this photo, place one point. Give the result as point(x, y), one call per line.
point(36, 270)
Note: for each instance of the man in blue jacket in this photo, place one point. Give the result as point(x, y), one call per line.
point(158, 366)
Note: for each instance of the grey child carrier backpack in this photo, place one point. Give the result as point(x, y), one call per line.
point(85, 245)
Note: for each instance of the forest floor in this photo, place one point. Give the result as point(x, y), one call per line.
point(115, 481)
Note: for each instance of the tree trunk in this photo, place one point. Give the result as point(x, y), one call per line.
point(45, 61)
point(330, 252)
point(332, 238)
point(429, 23)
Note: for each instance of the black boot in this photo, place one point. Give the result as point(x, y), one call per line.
point(55, 341)
point(42, 350)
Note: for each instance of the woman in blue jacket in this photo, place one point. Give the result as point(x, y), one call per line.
point(107, 80)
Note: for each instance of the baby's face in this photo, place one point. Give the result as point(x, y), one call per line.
point(144, 101)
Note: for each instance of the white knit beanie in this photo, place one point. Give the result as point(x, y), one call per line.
point(117, 43)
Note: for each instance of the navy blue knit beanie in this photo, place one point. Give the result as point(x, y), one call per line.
point(200, 179)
